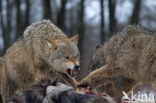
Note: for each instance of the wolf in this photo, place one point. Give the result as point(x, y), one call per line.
point(112, 87)
point(43, 51)
point(131, 54)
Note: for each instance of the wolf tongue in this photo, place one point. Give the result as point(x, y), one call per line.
point(73, 72)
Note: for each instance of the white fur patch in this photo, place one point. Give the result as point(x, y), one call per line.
point(70, 65)
point(49, 44)
point(60, 87)
point(77, 63)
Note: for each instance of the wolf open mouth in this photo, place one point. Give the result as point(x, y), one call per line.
point(73, 72)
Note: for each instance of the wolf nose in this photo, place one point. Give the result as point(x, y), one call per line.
point(76, 66)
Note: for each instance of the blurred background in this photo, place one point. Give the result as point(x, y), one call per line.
point(94, 20)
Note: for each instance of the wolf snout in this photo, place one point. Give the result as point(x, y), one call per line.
point(77, 67)
point(73, 70)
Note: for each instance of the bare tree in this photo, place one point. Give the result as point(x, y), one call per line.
point(81, 32)
point(71, 21)
point(102, 32)
point(61, 15)
point(136, 11)
point(81, 25)
point(19, 21)
point(47, 10)
point(112, 19)
point(6, 27)
point(27, 13)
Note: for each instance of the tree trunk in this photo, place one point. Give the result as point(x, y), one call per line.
point(9, 14)
point(102, 32)
point(81, 25)
point(47, 9)
point(27, 15)
point(61, 15)
point(71, 24)
point(112, 19)
point(19, 23)
point(81, 32)
point(6, 28)
point(136, 11)
point(22, 17)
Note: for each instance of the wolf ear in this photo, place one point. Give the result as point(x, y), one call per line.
point(74, 38)
point(52, 43)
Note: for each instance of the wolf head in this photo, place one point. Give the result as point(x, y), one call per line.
point(64, 55)
point(98, 59)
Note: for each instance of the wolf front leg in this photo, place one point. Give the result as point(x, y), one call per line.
point(4, 90)
point(8, 87)
point(99, 76)
point(7, 90)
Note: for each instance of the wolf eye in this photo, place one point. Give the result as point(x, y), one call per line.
point(77, 56)
point(67, 57)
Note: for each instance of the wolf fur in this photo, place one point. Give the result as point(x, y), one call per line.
point(113, 87)
point(131, 54)
point(51, 91)
point(43, 51)
point(35, 93)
